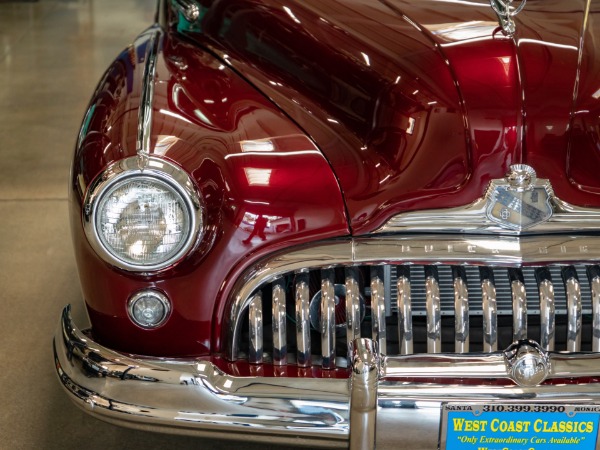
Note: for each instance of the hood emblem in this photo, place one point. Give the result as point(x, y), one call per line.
point(506, 12)
point(520, 200)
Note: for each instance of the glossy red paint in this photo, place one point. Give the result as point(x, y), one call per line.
point(355, 74)
point(359, 110)
point(265, 185)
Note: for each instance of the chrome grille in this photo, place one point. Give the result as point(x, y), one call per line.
point(416, 295)
point(502, 285)
point(431, 308)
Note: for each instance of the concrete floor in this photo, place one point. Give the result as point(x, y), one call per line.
point(52, 52)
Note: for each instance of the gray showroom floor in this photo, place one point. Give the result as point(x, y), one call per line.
point(52, 52)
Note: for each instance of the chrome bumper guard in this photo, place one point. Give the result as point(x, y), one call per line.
point(388, 403)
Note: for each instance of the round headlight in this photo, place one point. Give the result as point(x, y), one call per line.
point(143, 220)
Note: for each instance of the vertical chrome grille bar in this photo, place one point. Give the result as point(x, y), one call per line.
point(461, 310)
point(364, 381)
point(405, 328)
point(433, 309)
point(547, 308)
point(519, 302)
point(352, 308)
point(573, 291)
point(302, 302)
point(593, 273)
point(255, 319)
point(279, 325)
point(327, 319)
point(490, 310)
point(378, 308)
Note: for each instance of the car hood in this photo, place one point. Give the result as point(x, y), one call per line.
point(418, 105)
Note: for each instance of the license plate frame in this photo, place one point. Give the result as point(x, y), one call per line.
point(519, 426)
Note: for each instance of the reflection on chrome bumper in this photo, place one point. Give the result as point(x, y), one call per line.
point(195, 397)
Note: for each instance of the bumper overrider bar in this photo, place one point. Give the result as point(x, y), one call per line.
point(387, 402)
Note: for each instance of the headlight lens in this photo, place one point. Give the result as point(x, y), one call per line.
point(143, 221)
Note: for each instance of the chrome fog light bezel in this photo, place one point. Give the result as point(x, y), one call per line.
point(162, 298)
point(162, 172)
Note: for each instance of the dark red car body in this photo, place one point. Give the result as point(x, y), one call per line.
point(344, 163)
point(372, 108)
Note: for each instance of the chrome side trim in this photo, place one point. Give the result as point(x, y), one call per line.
point(434, 312)
point(256, 330)
point(327, 319)
point(505, 251)
point(405, 327)
point(303, 355)
point(490, 310)
point(279, 326)
point(363, 394)
point(378, 309)
point(144, 127)
point(352, 308)
point(573, 309)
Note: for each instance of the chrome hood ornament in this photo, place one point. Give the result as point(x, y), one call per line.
point(506, 12)
point(520, 201)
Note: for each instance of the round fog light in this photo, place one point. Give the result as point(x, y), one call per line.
point(149, 309)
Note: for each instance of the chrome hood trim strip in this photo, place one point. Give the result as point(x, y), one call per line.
point(144, 127)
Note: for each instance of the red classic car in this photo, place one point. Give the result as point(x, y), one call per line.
point(344, 223)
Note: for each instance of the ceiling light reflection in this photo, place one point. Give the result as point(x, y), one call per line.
point(291, 14)
point(462, 31)
point(172, 114)
point(257, 146)
point(366, 58)
point(258, 177)
point(547, 44)
point(269, 154)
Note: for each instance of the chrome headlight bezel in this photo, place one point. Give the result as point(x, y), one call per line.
point(155, 169)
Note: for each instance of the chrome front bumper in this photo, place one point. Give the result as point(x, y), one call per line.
point(393, 403)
